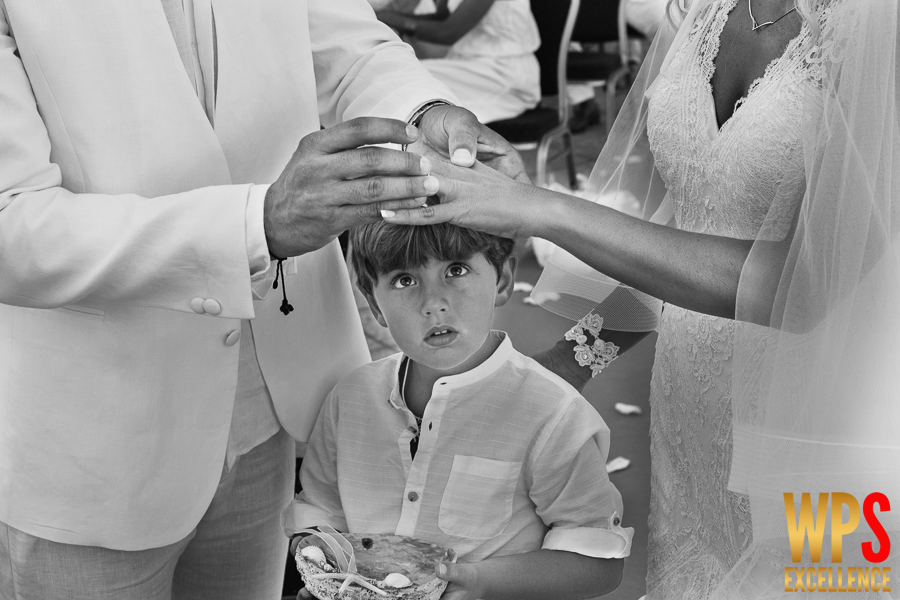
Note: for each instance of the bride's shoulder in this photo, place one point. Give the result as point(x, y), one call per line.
point(837, 22)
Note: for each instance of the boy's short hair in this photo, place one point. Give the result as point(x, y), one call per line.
point(380, 247)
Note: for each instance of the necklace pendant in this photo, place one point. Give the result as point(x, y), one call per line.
point(756, 25)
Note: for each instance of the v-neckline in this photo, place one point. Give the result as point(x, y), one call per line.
point(715, 129)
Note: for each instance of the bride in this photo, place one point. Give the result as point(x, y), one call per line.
point(762, 136)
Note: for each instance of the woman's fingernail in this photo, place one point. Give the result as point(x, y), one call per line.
point(442, 570)
point(387, 214)
point(412, 132)
point(425, 165)
point(431, 185)
point(461, 156)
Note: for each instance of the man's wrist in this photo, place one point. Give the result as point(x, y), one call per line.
point(416, 119)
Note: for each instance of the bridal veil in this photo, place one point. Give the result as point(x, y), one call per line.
point(816, 380)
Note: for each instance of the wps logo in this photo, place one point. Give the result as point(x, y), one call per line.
point(805, 526)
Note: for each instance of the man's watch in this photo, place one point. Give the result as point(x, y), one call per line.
point(416, 117)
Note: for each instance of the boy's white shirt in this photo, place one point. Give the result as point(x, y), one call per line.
point(511, 459)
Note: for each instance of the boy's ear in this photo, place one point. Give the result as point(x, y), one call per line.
point(506, 281)
point(373, 304)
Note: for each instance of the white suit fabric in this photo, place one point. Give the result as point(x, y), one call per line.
point(125, 258)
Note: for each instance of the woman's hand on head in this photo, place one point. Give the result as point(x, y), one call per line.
point(480, 198)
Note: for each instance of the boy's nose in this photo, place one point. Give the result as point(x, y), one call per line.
point(435, 305)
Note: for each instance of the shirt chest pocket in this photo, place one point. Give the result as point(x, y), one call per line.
point(478, 500)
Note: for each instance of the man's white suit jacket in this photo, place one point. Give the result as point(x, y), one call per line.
point(120, 204)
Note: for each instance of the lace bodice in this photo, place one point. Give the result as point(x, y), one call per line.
point(721, 181)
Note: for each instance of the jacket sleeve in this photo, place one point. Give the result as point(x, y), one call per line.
point(362, 68)
point(59, 248)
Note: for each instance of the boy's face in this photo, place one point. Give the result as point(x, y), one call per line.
point(440, 314)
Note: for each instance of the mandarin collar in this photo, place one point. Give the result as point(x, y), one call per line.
point(490, 366)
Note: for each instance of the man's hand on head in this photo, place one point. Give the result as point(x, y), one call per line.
point(332, 183)
point(455, 133)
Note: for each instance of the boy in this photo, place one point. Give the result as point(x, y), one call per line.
point(461, 440)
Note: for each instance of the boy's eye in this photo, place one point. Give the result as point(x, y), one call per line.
point(402, 281)
point(457, 270)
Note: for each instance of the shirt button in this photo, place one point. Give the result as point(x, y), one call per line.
point(232, 338)
point(212, 307)
point(413, 496)
point(197, 305)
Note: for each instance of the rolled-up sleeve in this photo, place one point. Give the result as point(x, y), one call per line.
point(362, 68)
point(571, 488)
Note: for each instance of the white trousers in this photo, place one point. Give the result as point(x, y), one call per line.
point(236, 552)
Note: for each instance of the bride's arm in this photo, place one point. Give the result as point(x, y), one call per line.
point(560, 358)
point(696, 271)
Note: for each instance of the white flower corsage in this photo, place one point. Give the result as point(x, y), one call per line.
point(597, 355)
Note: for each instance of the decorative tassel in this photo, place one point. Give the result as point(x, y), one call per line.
point(286, 307)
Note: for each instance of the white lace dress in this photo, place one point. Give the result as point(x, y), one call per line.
point(722, 182)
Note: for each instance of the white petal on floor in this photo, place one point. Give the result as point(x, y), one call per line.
point(523, 286)
point(617, 464)
point(529, 300)
point(544, 297)
point(628, 409)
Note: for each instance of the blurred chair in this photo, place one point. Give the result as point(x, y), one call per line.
point(555, 20)
point(598, 23)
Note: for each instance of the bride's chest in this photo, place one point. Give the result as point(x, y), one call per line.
point(724, 179)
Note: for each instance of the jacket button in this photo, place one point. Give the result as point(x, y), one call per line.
point(413, 496)
point(197, 305)
point(232, 338)
point(212, 307)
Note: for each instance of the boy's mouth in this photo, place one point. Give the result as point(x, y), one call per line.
point(440, 336)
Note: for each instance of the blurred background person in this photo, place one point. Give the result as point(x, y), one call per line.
point(489, 63)
point(645, 15)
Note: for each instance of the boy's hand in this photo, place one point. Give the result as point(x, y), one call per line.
point(464, 581)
